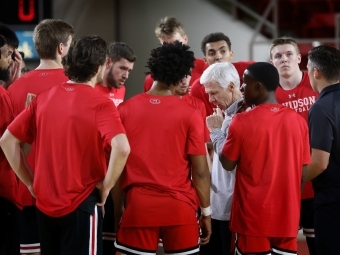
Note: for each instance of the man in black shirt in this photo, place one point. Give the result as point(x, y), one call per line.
point(324, 124)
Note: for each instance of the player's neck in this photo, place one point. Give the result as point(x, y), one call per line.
point(288, 83)
point(49, 64)
point(267, 98)
point(160, 89)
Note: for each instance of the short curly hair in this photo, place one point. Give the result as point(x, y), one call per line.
point(170, 63)
point(85, 56)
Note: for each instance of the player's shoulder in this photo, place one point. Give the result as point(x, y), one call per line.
point(200, 63)
point(242, 65)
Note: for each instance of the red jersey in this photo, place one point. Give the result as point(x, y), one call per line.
point(9, 183)
point(196, 72)
point(198, 90)
point(35, 82)
point(65, 122)
point(161, 141)
point(269, 159)
point(299, 99)
point(114, 94)
point(198, 104)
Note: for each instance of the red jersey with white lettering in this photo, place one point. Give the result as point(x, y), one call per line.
point(161, 141)
point(198, 90)
point(34, 82)
point(69, 124)
point(198, 104)
point(300, 99)
point(9, 183)
point(269, 159)
point(196, 72)
point(115, 94)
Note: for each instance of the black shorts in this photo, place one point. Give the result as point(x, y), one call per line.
point(307, 217)
point(327, 225)
point(29, 234)
point(9, 230)
point(109, 235)
point(79, 232)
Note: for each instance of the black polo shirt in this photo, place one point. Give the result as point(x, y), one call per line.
point(324, 130)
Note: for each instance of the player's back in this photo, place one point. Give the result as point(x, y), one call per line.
point(34, 82)
point(69, 126)
point(162, 132)
point(274, 149)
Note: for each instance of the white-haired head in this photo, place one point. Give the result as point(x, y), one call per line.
point(222, 83)
point(221, 73)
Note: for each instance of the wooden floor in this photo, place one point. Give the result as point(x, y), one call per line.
point(302, 248)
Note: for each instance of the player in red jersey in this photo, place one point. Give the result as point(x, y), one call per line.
point(169, 30)
point(70, 124)
point(269, 144)
point(295, 92)
point(51, 48)
point(121, 62)
point(161, 197)
point(216, 48)
point(9, 201)
point(182, 90)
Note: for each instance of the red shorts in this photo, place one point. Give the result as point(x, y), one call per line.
point(265, 245)
point(144, 240)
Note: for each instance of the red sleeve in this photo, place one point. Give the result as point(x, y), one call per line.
point(202, 110)
point(198, 91)
point(23, 126)
point(148, 83)
point(196, 143)
point(6, 110)
point(197, 71)
point(108, 121)
point(232, 146)
point(241, 67)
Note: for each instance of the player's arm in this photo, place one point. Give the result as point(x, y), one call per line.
point(201, 180)
point(227, 164)
point(320, 160)
point(119, 153)
point(11, 148)
point(321, 140)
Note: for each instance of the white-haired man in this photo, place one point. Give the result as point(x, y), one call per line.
point(222, 84)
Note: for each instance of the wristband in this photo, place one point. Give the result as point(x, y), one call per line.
point(206, 211)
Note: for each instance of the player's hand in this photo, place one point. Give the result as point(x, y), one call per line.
point(215, 120)
point(205, 224)
point(29, 99)
point(16, 65)
point(103, 191)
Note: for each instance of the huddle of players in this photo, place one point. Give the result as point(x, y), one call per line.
point(161, 199)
